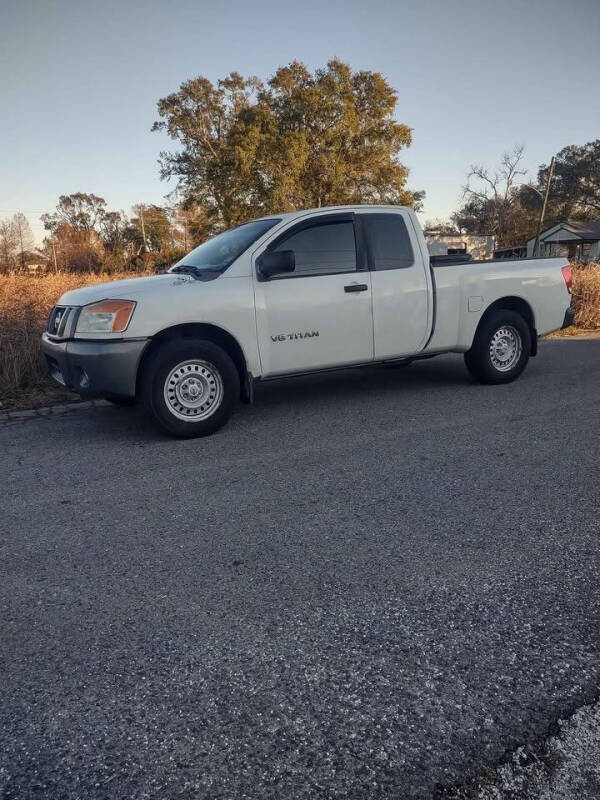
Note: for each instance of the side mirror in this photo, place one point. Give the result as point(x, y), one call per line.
point(276, 263)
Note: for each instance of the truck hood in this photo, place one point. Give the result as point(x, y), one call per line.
point(128, 289)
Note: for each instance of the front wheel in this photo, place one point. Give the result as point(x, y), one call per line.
point(190, 387)
point(501, 348)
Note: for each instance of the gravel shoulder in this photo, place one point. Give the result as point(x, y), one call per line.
point(565, 767)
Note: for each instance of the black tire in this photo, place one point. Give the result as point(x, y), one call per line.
point(118, 400)
point(487, 367)
point(216, 373)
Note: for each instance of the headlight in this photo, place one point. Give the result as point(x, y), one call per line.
point(107, 316)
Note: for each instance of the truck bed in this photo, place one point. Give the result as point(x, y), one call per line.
point(460, 295)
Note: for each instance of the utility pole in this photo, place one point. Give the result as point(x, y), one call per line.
point(143, 228)
point(21, 241)
point(543, 211)
point(54, 256)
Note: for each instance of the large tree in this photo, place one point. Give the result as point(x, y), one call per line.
point(492, 201)
point(302, 139)
point(9, 245)
point(575, 188)
point(498, 202)
point(150, 228)
point(80, 229)
point(81, 211)
point(113, 231)
point(16, 241)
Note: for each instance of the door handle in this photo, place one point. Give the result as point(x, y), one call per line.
point(356, 287)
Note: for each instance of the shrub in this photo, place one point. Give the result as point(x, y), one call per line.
point(586, 295)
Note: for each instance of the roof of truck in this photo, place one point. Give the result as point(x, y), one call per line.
point(354, 207)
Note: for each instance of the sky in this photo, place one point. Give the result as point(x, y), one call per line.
point(79, 82)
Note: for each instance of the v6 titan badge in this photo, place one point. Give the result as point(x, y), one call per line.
point(286, 337)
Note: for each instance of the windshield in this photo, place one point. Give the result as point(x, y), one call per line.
point(218, 253)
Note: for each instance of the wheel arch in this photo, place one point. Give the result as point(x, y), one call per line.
point(202, 330)
point(519, 306)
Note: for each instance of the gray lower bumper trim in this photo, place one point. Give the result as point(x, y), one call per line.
point(94, 369)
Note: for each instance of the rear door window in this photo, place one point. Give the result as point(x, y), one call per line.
point(388, 241)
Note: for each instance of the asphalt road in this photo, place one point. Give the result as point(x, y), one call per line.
point(371, 584)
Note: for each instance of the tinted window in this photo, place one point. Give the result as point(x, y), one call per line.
point(389, 242)
point(221, 251)
point(323, 248)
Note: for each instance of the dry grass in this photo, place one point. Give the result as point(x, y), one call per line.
point(586, 295)
point(572, 332)
point(25, 303)
point(586, 299)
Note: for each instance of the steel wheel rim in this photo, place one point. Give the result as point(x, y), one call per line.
point(193, 390)
point(506, 347)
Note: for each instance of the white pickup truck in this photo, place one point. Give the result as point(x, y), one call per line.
point(295, 293)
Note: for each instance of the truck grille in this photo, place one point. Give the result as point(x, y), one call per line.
point(60, 322)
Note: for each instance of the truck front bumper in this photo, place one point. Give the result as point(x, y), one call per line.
point(94, 368)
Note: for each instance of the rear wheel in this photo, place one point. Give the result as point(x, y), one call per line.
point(190, 387)
point(501, 348)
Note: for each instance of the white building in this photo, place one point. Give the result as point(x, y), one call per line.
point(479, 247)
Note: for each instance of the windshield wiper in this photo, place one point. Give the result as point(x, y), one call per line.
point(198, 273)
point(187, 269)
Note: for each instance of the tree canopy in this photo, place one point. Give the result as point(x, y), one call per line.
point(85, 235)
point(492, 200)
point(301, 140)
point(500, 203)
point(81, 211)
point(16, 241)
point(151, 229)
point(575, 190)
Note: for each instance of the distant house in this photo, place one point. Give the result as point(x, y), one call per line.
point(33, 261)
point(450, 244)
point(576, 240)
